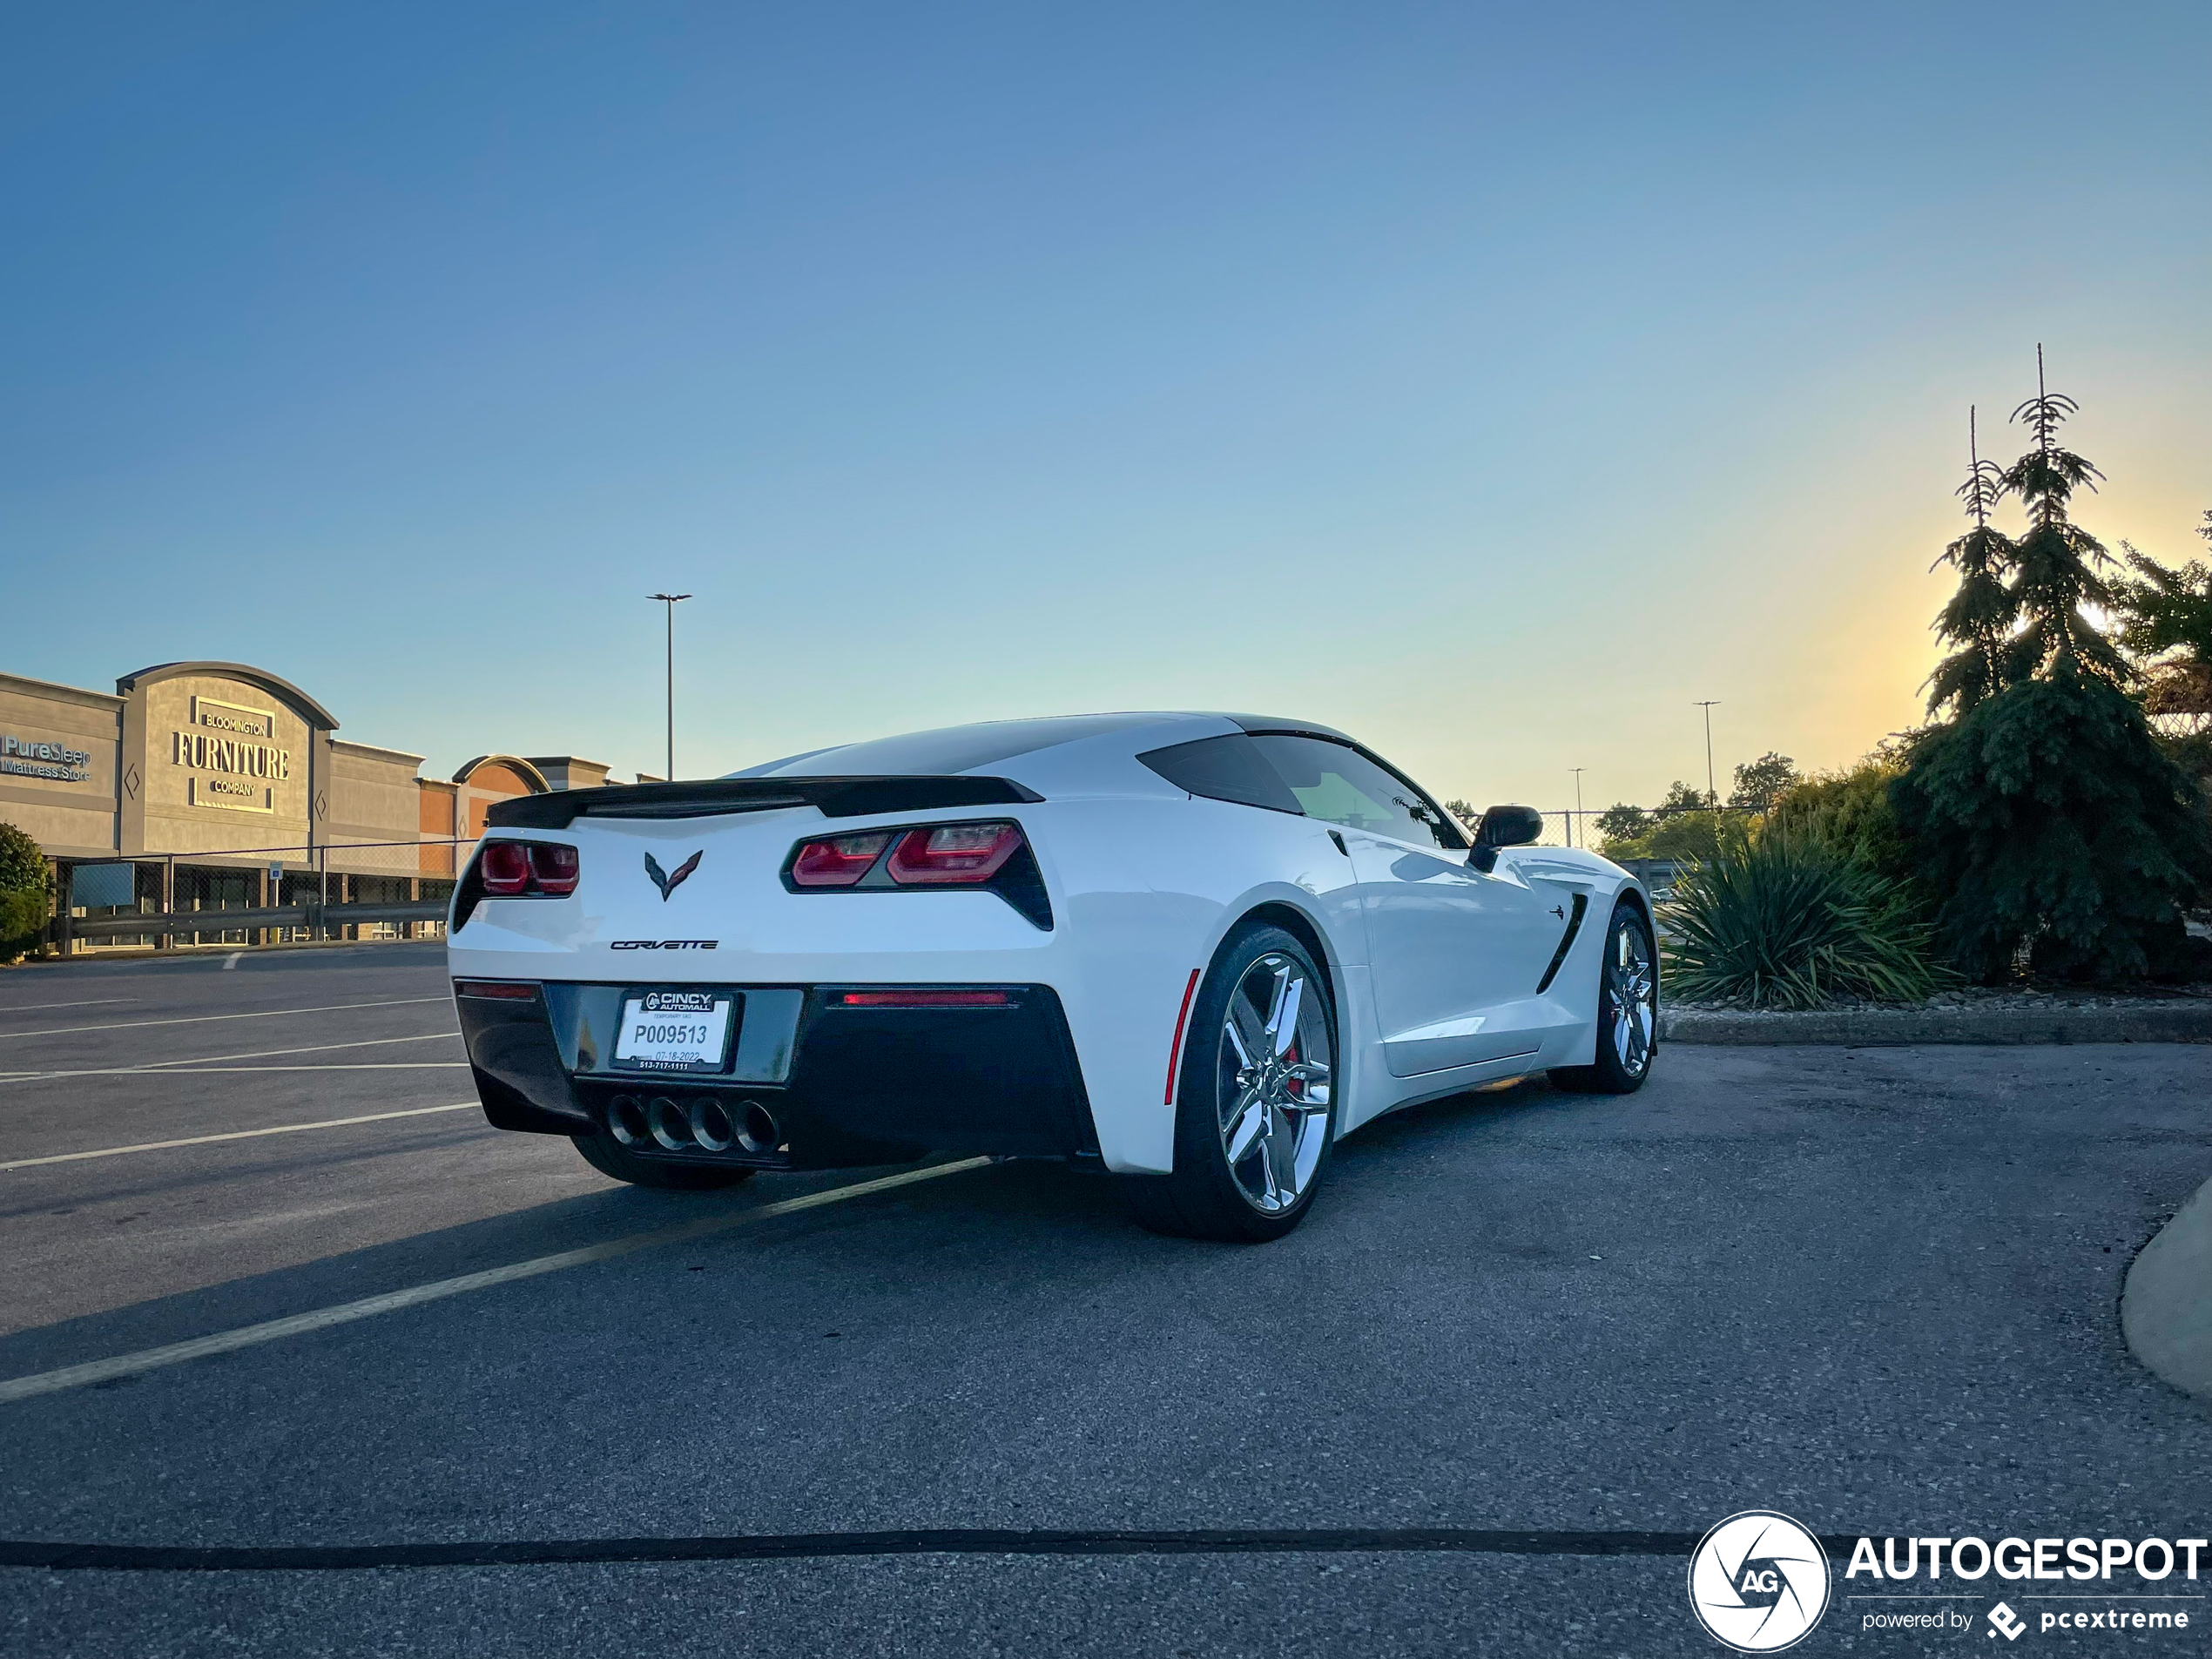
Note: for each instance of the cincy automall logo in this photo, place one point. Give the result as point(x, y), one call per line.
point(1758, 1581)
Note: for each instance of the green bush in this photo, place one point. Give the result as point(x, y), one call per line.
point(2054, 826)
point(1850, 813)
point(24, 888)
point(1787, 921)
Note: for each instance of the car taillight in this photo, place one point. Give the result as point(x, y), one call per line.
point(553, 866)
point(837, 861)
point(953, 854)
point(504, 868)
point(519, 869)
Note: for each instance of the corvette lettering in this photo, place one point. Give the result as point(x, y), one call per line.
point(664, 944)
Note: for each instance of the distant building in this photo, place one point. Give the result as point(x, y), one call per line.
point(217, 786)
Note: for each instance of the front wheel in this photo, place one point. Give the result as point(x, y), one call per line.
point(1255, 1112)
point(1628, 1010)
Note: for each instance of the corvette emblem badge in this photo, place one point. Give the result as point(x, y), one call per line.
point(666, 882)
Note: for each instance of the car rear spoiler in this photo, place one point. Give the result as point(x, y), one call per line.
point(835, 797)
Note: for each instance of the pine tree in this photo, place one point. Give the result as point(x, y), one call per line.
point(2056, 562)
point(2045, 812)
point(1978, 619)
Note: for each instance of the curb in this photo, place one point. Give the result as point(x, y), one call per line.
point(2166, 1310)
point(2183, 1020)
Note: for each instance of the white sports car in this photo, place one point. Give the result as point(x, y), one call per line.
point(1190, 950)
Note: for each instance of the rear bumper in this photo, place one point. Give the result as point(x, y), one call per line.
point(845, 1085)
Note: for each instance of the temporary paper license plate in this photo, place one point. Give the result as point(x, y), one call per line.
point(675, 1031)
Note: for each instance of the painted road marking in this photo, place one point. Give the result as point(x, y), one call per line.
point(168, 1066)
point(87, 1003)
point(233, 1135)
point(132, 1365)
point(203, 1019)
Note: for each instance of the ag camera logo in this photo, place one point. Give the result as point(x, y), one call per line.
point(1758, 1581)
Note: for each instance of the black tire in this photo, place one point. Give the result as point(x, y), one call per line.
point(1620, 1068)
point(609, 1156)
point(1205, 1196)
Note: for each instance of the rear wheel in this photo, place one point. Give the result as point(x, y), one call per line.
point(1255, 1112)
point(609, 1156)
point(1628, 1010)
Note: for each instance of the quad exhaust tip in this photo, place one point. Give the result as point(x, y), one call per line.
point(704, 1124)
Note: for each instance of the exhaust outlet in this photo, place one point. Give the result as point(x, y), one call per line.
point(758, 1130)
point(711, 1125)
point(626, 1120)
point(671, 1128)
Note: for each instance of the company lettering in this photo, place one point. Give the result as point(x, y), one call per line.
point(204, 753)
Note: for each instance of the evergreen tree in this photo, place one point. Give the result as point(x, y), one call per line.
point(1978, 619)
point(2046, 814)
point(2056, 563)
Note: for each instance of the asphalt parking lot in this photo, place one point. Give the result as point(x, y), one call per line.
point(1874, 1288)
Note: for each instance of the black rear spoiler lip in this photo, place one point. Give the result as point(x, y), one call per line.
point(858, 796)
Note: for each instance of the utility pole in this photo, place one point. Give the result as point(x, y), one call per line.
point(1711, 793)
point(1573, 822)
point(672, 600)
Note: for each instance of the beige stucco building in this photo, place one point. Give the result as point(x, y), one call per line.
point(217, 786)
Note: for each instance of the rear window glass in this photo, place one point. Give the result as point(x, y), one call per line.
point(949, 749)
point(1229, 768)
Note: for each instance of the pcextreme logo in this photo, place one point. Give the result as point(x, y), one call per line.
point(1758, 1581)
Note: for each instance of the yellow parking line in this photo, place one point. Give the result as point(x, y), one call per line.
point(129, 1365)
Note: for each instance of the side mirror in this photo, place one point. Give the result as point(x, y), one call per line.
point(1504, 827)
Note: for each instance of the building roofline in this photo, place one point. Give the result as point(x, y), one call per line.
point(261, 677)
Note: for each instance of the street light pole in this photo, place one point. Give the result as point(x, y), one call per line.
point(1574, 822)
point(671, 600)
point(1711, 793)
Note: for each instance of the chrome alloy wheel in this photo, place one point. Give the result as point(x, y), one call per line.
point(1634, 995)
point(1273, 1082)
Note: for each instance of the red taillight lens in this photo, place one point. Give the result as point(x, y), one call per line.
point(837, 861)
point(504, 869)
point(554, 867)
point(953, 855)
point(924, 999)
point(512, 869)
point(508, 990)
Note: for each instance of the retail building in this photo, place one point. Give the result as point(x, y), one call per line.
point(199, 787)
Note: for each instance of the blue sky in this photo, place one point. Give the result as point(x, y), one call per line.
point(1492, 381)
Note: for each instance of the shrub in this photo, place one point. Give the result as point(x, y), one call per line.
point(1850, 813)
point(1786, 921)
point(2052, 823)
point(22, 892)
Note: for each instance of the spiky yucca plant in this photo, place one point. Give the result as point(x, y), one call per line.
point(1785, 921)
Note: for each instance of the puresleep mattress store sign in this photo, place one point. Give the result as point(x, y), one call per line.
point(1759, 1583)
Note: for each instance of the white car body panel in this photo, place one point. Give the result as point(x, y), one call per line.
point(1433, 964)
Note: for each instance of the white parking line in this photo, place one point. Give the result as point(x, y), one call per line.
point(232, 1135)
point(130, 1364)
point(168, 1067)
point(88, 1002)
point(203, 1019)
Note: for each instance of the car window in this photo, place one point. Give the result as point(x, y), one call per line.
point(1340, 785)
point(1229, 768)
